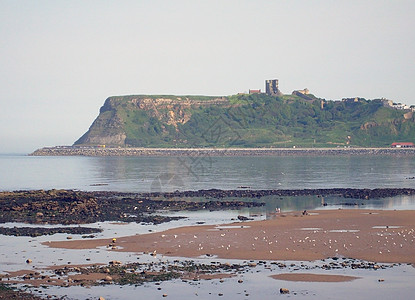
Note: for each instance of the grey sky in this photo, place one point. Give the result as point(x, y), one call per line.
point(61, 59)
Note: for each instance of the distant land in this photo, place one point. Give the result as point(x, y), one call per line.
point(256, 119)
point(249, 120)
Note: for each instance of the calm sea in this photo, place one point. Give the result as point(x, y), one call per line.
point(143, 174)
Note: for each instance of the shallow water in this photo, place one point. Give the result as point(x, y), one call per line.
point(143, 174)
point(257, 284)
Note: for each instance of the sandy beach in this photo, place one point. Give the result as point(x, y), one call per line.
point(371, 235)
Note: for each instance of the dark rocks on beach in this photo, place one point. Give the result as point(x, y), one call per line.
point(75, 207)
point(343, 192)
point(39, 231)
point(243, 218)
point(8, 293)
point(118, 273)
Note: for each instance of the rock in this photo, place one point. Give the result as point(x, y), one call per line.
point(101, 298)
point(108, 278)
point(115, 262)
point(29, 261)
point(69, 238)
point(284, 291)
point(164, 295)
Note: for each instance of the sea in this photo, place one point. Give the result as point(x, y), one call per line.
point(165, 174)
point(145, 174)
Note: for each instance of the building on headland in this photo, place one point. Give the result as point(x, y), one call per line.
point(400, 106)
point(386, 102)
point(254, 91)
point(304, 92)
point(403, 145)
point(391, 104)
point(352, 100)
point(271, 87)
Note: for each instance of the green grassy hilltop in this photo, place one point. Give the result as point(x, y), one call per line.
point(256, 120)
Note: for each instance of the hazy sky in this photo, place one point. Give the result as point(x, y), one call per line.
point(60, 60)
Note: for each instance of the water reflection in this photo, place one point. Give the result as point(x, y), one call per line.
point(301, 203)
point(139, 174)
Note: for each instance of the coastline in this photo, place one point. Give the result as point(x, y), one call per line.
point(199, 152)
point(317, 247)
point(370, 235)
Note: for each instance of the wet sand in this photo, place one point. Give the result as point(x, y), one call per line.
point(371, 235)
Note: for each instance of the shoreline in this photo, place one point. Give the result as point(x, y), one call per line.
point(318, 247)
point(370, 235)
point(199, 152)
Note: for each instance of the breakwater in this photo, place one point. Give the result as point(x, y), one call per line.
point(197, 152)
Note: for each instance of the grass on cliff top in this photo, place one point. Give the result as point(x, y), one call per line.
point(174, 97)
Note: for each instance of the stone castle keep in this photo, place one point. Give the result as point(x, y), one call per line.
point(271, 87)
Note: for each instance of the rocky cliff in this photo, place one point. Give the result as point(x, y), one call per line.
point(122, 118)
point(256, 120)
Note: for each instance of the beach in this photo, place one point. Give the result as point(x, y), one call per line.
point(371, 235)
point(294, 252)
point(213, 243)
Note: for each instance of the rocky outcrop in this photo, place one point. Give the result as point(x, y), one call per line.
point(109, 128)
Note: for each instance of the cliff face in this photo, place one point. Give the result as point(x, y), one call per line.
point(255, 120)
point(126, 116)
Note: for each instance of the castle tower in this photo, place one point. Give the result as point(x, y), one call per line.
point(271, 87)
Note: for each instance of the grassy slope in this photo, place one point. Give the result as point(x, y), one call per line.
point(263, 121)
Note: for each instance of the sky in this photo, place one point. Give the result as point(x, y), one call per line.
point(60, 60)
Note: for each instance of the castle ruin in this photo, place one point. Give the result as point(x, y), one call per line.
point(271, 87)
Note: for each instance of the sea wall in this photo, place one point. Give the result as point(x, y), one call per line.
point(94, 151)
